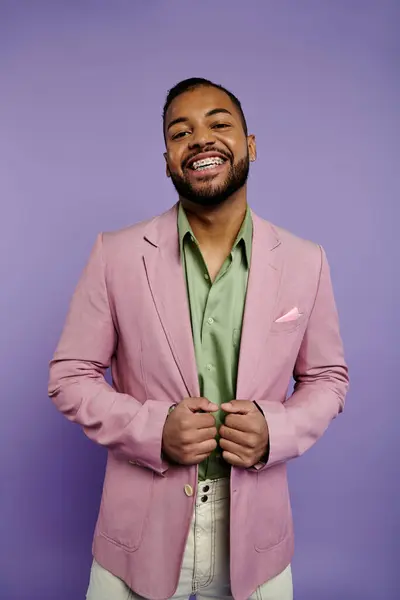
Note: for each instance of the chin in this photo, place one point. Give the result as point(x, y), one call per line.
point(208, 201)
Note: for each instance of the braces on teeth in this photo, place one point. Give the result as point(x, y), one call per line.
point(207, 163)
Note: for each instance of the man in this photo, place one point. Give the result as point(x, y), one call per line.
point(203, 313)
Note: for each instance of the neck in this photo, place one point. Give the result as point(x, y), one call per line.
point(217, 226)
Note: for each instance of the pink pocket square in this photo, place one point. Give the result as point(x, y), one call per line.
point(292, 315)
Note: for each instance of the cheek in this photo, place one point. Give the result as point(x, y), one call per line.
point(237, 151)
point(240, 150)
point(174, 160)
point(235, 140)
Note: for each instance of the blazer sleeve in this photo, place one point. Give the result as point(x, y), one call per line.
point(321, 381)
point(77, 384)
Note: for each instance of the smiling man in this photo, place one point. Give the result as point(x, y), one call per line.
point(203, 313)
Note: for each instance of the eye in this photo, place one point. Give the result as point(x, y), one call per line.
point(220, 125)
point(179, 135)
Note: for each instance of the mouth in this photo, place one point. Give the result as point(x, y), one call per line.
point(206, 162)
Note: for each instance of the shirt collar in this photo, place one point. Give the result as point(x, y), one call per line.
point(245, 234)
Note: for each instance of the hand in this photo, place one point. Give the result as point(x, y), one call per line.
point(189, 435)
point(244, 436)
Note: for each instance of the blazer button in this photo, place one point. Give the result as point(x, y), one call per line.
point(188, 490)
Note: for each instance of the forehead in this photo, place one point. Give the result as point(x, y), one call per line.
point(198, 102)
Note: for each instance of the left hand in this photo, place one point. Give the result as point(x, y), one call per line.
point(244, 436)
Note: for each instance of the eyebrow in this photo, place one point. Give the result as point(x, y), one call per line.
point(210, 113)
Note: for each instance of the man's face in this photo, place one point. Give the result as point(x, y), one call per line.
point(208, 152)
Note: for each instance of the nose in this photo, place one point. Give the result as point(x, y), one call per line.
point(201, 137)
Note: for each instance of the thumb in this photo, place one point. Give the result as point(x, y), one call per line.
point(242, 407)
point(202, 404)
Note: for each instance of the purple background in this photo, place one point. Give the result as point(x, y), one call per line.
point(82, 86)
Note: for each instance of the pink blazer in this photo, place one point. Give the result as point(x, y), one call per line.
point(130, 312)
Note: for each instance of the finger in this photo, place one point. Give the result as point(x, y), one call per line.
point(239, 422)
point(198, 435)
point(196, 404)
point(234, 435)
point(202, 420)
point(233, 459)
point(191, 459)
point(205, 447)
point(238, 406)
point(194, 453)
point(199, 458)
point(234, 454)
point(234, 448)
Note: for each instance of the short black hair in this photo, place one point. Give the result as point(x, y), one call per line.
point(195, 82)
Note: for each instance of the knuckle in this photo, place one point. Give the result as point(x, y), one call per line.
point(252, 441)
point(187, 451)
point(248, 462)
point(184, 437)
point(184, 453)
point(185, 423)
point(259, 426)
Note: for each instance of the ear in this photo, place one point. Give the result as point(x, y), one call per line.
point(251, 145)
point(167, 171)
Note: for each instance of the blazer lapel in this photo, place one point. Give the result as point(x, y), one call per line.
point(167, 283)
point(262, 292)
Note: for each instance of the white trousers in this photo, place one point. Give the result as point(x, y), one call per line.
point(205, 568)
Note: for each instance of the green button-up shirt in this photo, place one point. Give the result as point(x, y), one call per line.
point(216, 310)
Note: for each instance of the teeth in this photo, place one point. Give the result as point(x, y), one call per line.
point(207, 162)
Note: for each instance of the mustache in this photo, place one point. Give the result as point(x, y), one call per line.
point(194, 154)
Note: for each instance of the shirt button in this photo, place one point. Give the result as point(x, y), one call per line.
point(209, 367)
point(188, 490)
point(210, 320)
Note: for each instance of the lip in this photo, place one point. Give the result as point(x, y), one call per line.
point(203, 155)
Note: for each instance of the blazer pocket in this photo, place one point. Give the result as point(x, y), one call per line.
point(286, 326)
point(273, 514)
point(125, 503)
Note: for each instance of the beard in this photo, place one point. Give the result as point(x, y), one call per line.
point(208, 194)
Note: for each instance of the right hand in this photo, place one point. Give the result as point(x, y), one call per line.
point(189, 435)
